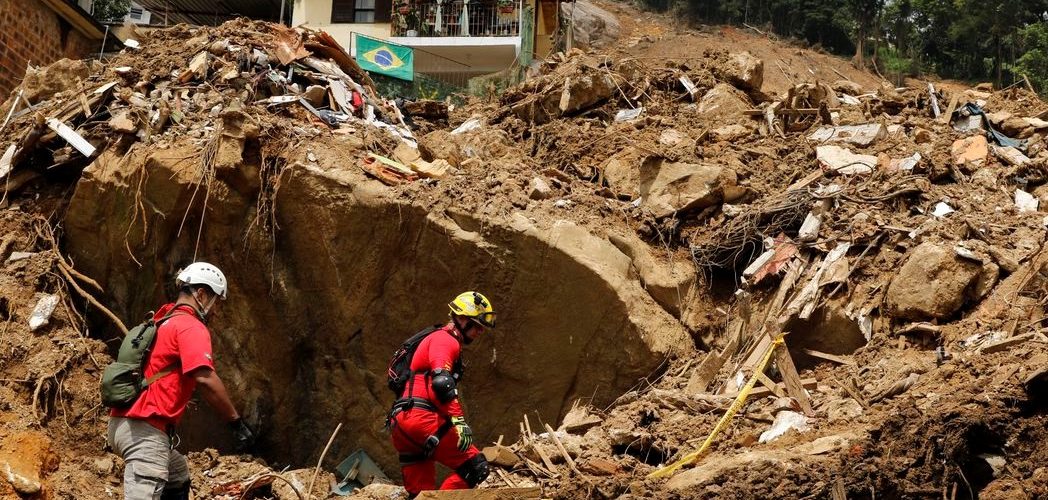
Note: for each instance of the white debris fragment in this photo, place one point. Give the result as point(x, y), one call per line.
point(942, 209)
point(784, 421)
point(809, 230)
point(1026, 202)
point(625, 115)
point(42, 312)
point(468, 125)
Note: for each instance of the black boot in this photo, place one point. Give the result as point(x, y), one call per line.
point(176, 492)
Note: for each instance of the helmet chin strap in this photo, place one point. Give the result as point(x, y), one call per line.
point(464, 330)
point(204, 310)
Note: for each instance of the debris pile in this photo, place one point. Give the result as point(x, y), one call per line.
point(242, 82)
point(835, 289)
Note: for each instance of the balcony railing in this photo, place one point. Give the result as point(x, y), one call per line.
point(443, 18)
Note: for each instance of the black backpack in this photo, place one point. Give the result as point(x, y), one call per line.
point(399, 370)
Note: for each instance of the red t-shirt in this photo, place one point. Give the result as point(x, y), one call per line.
point(439, 350)
point(183, 338)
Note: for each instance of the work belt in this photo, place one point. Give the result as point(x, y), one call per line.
point(430, 445)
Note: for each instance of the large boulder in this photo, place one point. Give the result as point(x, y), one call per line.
point(593, 26)
point(670, 188)
point(746, 71)
point(935, 282)
point(724, 104)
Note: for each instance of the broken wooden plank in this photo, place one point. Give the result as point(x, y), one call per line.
point(840, 360)
point(945, 117)
point(1008, 343)
point(794, 384)
point(532, 493)
point(762, 392)
point(788, 111)
point(72, 137)
point(770, 384)
point(934, 100)
point(563, 450)
point(853, 391)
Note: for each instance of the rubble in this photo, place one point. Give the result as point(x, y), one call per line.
point(686, 235)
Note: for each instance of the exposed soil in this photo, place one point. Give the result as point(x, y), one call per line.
point(615, 248)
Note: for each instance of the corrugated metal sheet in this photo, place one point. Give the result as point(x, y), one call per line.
point(211, 12)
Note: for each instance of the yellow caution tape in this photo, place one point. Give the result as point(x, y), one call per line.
point(732, 410)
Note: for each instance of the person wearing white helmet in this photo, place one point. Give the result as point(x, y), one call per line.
point(180, 362)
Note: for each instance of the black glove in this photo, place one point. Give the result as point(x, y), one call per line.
point(243, 436)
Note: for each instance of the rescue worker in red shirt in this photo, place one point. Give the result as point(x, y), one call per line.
point(180, 361)
point(427, 422)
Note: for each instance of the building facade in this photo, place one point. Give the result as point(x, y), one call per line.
point(40, 32)
point(454, 40)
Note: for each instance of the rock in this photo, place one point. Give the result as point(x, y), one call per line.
point(592, 25)
point(847, 87)
point(746, 71)
point(843, 161)
point(859, 135)
point(17, 256)
point(315, 94)
point(122, 123)
point(933, 283)
point(723, 103)
point(671, 137)
point(299, 480)
point(985, 177)
point(436, 169)
point(583, 90)
point(769, 462)
point(501, 456)
point(25, 458)
point(539, 189)
point(667, 283)
point(622, 171)
point(922, 136)
point(970, 151)
point(103, 466)
point(1010, 155)
point(42, 83)
point(579, 420)
point(730, 133)
point(600, 467)
point(41, 315)
point(670, 188)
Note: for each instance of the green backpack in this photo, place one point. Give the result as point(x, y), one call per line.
point(122, 380)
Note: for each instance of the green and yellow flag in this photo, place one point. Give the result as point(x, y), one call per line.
point(385, 58)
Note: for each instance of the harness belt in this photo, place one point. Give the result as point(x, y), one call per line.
point(430, 445)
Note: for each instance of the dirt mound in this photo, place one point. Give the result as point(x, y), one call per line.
point(623, 213)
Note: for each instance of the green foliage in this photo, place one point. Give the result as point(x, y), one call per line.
point(975, 40)
point(1034, 61)
point(110, 10)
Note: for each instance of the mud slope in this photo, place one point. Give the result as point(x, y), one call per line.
point(315, 310)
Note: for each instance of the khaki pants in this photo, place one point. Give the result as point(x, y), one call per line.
point(150, 462)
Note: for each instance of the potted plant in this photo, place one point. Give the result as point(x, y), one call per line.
point(507, 6)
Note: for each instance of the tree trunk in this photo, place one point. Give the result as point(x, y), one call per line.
point(858, 61)
point(998, 61)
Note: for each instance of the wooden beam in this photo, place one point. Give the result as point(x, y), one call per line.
point(829, 357)
point(771, 385)
point(763, 392)
point(794, 384)
point(533, 493)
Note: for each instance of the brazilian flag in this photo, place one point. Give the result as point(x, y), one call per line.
point(385, 58)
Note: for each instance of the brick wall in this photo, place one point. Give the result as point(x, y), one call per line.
point(30, 32)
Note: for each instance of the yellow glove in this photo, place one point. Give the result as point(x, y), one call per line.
point(464, 432)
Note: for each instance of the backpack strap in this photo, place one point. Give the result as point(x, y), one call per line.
point(173, 366)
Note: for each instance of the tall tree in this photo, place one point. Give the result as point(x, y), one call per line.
point(866, 14)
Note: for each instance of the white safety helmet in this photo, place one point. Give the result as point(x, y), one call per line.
point(202, 273)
